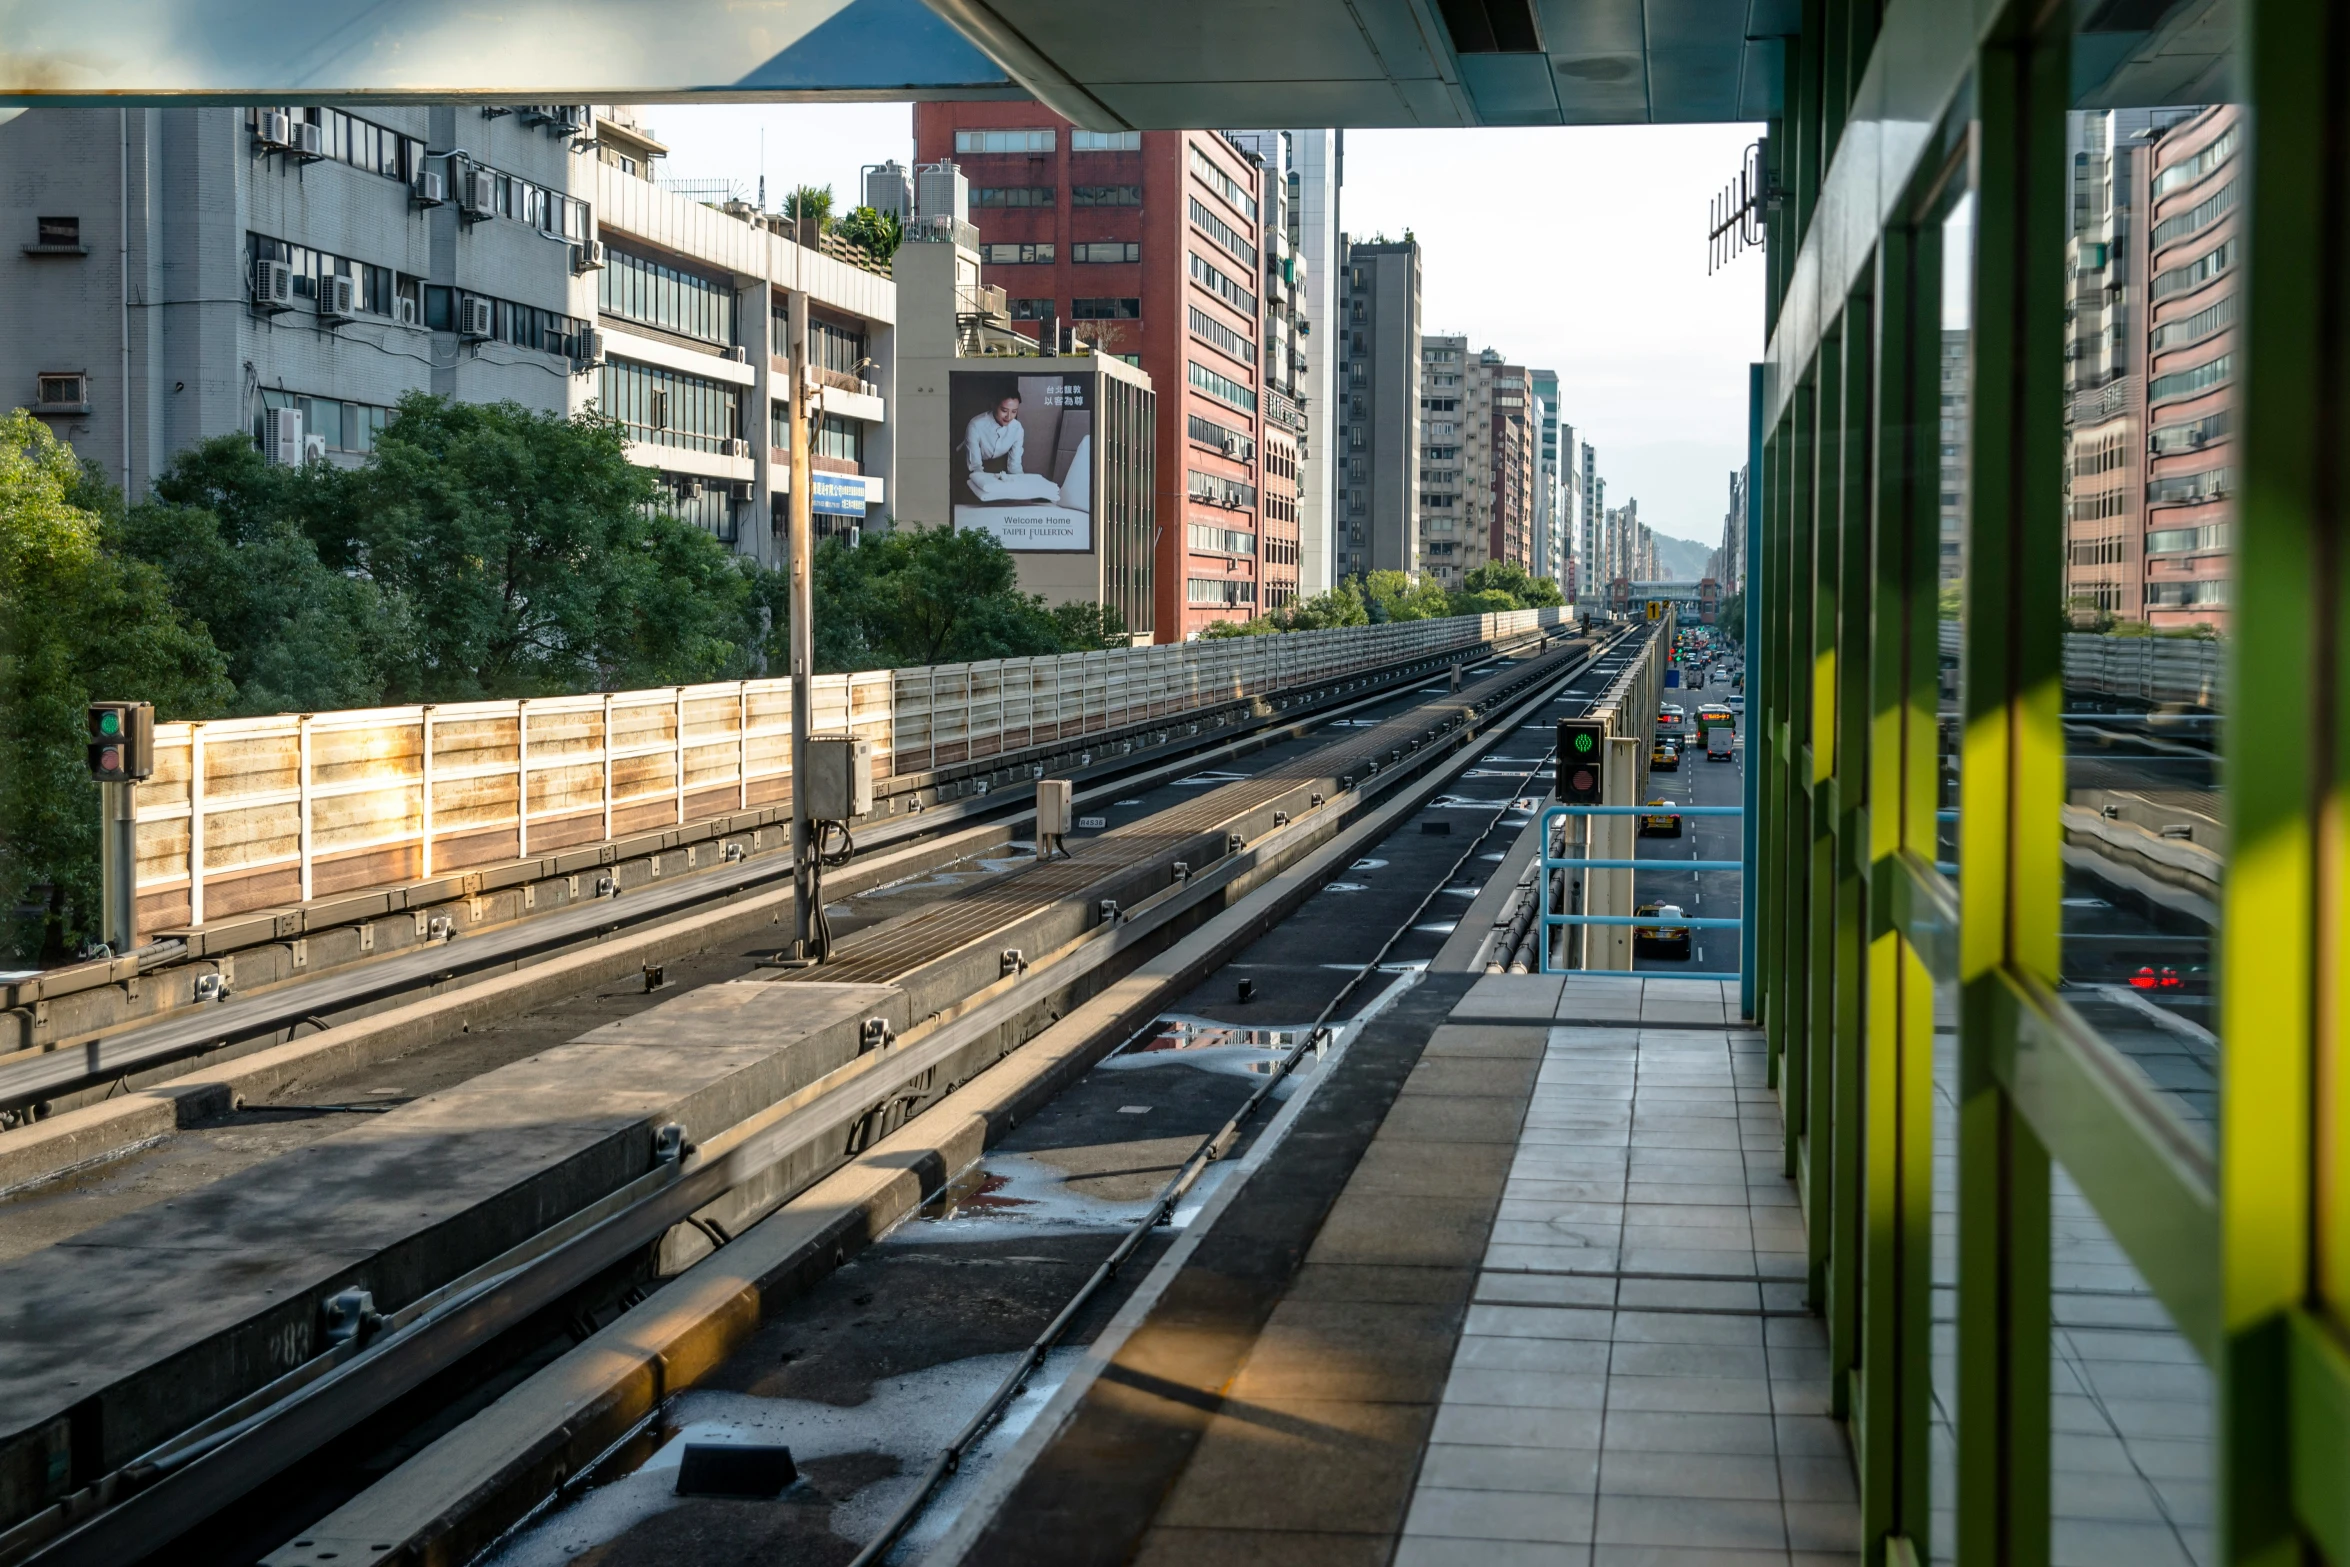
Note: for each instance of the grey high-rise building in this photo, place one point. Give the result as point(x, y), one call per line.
point(1550, 549)
point(1376, 524)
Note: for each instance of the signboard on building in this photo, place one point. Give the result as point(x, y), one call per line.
point(1022, 466)
point(836, 495)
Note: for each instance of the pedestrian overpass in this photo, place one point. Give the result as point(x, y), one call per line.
point(2053, 984)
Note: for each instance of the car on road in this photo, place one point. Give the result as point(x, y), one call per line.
point(1672, 719)
point(1721, 744)
point(1663, 939)
point(1665, 758)
point(1660, 824)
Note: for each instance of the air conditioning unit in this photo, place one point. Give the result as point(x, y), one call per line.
point(540, 114)
point(285, 437)
point(273, 286)
point(338, 296)
point(411, 313)
point(309, 140)
point(737, 352)
point(430, 190)
point(313, 448)
point(274, 128)
point(690, 489)
point(477, 194)
point(587, 256)
point(477, 319)
point(736, 446)
point(739, 490)
point(587, 349)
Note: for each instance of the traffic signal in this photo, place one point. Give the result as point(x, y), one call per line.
point(1582, 767)
point(122, 741)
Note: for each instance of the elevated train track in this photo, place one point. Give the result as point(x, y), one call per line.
point(792, 1076)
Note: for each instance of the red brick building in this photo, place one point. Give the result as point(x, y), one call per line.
point(1147, 245)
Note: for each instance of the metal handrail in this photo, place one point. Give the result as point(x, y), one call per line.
point(1551, 919)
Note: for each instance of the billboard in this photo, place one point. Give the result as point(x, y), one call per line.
point(836, 495)
point(1022, 467)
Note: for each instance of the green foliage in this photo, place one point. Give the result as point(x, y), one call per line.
point(930, 596)
point(810, 202)
point(1486, 601)
point(1391, 595)
point(1084, 628)
point(77, 622)
point(225, 527)
point(1506, 577)
point(879, 232)
point(532, 559)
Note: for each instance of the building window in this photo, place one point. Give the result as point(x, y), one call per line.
point(1032, 309)
point(1205, 273)
point(1105, 309)
point(1105, 195)
point(59, 233)
point(1221, 388)
point(360, 143)
point(2189, 383)
point(1004, 141)
point(1104, 141)
point(1008, 255)
point(1235, 444)
point(832, 346)
point(1214, 489)
point(637, 288)
point(1212, 175)
point(668, 408)
point(1221, 541)
point(841, 437)
point(1223, 234)
point(62, 391)
point(1217, 335)
point(1107, 250)
point(1223, 592)
point(335, 424)
point(1012, 196)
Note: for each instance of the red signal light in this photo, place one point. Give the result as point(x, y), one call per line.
point(2143, 980)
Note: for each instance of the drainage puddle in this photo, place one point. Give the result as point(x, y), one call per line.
point(863, 1460)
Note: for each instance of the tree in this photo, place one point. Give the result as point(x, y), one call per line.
point(533, 558)
point(76, 623)
point(924, 596)
point(1523, 589)
point(879, 232)
point(1085, 627)
point(1391, 595)
point(810, 204)
point(225, 528)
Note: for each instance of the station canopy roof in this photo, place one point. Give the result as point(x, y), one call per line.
point(1131, 64)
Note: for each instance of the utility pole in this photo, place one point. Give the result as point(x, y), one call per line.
point(803, 623)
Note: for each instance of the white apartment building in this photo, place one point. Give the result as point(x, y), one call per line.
point(1446, 504)
point(292, 272)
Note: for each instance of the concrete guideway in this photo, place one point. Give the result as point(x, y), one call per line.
point(81, 1031)
point(41, 1437)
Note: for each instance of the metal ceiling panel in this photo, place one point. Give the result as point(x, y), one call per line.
point(1510, 89)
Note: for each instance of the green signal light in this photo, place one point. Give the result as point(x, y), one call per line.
point(109, 723)
point(1583, 742)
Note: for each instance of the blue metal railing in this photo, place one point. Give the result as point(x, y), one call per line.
point(1553, 919)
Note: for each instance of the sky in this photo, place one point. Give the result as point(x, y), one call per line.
point(1576, 250)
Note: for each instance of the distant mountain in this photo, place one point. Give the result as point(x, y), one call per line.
point(1681, 560)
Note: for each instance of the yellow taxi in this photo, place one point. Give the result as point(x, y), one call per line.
point(1663, 939)
point(1665, 758)
point(1660, 824)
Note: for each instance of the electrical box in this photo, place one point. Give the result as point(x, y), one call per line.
point(840, 777)
point(1056, 800)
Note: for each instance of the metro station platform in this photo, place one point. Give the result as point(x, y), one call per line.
point(1522, 1283)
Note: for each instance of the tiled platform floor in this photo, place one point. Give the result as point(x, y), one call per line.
point(1637, 1381)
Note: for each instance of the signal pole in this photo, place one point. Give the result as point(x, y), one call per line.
point(121, 752)
point(803, 622)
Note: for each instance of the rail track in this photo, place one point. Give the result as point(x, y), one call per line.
point(930, 998)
